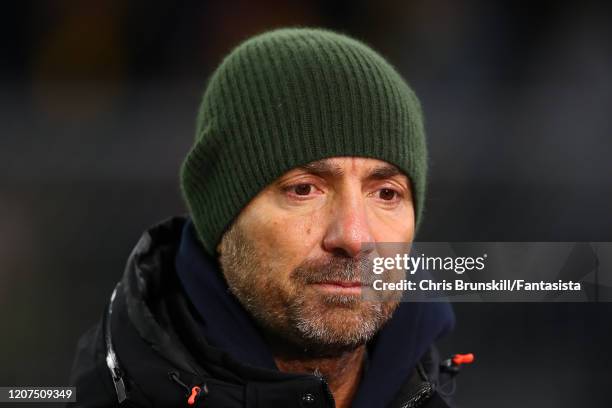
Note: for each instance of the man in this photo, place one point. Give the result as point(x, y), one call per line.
point(308, 145)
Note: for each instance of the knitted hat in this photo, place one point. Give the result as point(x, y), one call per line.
point(288, 97)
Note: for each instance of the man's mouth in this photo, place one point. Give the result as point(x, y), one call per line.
point(339, 287)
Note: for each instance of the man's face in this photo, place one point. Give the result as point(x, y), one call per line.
point(294, 256)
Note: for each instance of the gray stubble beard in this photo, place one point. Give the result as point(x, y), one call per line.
point(308, 323)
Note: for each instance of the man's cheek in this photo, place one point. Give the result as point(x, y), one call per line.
point(288, 236)
point(392, 229)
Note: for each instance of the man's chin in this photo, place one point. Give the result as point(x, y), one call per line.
point(335, 323)
point(330, 342)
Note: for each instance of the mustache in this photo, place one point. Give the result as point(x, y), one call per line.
point(334, 269)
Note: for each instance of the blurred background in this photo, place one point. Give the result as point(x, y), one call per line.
point(97, 110)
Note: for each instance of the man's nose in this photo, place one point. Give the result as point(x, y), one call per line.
point(348, 227)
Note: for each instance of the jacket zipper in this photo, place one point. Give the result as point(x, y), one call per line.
point(111, 356)
point(421, 395)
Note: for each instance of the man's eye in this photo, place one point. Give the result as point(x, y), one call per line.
point(387, 194)
point(302, 189)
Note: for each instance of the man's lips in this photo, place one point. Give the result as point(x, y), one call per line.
point(346, 287)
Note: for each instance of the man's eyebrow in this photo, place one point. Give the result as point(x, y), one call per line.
point(384, 172)
point(322, 168)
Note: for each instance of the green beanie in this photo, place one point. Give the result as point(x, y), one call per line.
point(288, 97)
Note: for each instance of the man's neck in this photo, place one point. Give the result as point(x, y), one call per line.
point(342, 372)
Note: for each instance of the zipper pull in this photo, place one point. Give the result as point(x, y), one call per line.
point(459, 359)
point(195, 393)
point(192, 393)
point(453, 364)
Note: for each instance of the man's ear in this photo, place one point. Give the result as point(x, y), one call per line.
point(223, 236)
point(220, 244)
